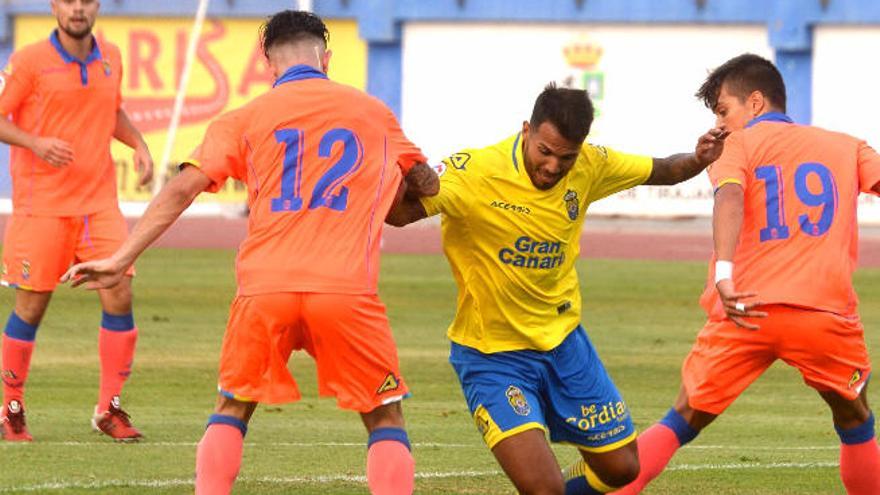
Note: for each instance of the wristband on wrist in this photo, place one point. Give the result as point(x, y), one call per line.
point(723, 270)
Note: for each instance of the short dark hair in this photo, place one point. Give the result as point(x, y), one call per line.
point(744, 74)
point(569, 110)
point(292, 26)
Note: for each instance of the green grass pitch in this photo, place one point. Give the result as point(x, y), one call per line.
point(642, 317)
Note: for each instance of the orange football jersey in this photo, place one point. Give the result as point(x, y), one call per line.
point(322, 162)
point(50, 93)
point(799, 240)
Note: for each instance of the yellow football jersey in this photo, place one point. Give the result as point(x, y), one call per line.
point(512, 247)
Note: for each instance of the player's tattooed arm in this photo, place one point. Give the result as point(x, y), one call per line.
point(422, 181)
point(681, 167)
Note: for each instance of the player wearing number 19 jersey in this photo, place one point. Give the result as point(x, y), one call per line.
point(786, 233)
point(322, 163)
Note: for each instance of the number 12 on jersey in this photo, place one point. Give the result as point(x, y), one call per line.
point(329, 191)
point(775, 200)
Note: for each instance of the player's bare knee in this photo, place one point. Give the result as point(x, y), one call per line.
point(683, 407)
point(30, 314)
point(117, 300)
point(31, 306)
point(682, 401)
point(695, 418)
point(615, 468)
point(385, 416)
point(626, 471)
point(847, 413)
point(235, 408)
point(621, 472)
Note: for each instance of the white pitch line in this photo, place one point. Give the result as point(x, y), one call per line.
point(333, 478)
point(362, 479)
point(751, 465)
point(740, 448)
point(246, 444)
point(766, 447)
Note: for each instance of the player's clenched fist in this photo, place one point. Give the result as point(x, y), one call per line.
point(54, 151)
point(422, 181)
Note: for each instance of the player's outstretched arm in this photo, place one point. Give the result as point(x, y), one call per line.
point(128, 134)
point(681, 167)
point(163, 210)
point(727, 219)
point(53, 151)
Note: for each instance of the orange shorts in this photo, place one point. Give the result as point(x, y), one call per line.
point(38, 250)
point(348, 335)
point(828, 349)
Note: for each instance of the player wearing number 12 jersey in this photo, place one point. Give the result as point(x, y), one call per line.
point(322, 162)
point(786, 236)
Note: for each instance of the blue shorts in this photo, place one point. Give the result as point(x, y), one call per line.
point(565, 391)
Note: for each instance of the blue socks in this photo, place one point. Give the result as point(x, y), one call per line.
point(679, 426)
point(222, 419)
point(395, 434)
point(859, 434)
point(19, 329)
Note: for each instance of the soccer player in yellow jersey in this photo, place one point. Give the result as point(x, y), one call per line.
point(512, 219)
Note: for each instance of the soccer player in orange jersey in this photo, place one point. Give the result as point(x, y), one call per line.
point(780, 285)
point(322, 162)
point(64, 96)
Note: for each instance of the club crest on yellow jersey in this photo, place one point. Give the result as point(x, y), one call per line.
point(518, 401)
point(571, 204)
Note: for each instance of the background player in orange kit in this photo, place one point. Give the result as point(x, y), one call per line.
point(64, 96)
point(322, 162)
point(786, 242)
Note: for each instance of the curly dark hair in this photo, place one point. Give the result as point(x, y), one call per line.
point(744, 74)
point(569, 110)
point(292, 26)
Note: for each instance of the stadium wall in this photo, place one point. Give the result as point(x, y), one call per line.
point(464, 72)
